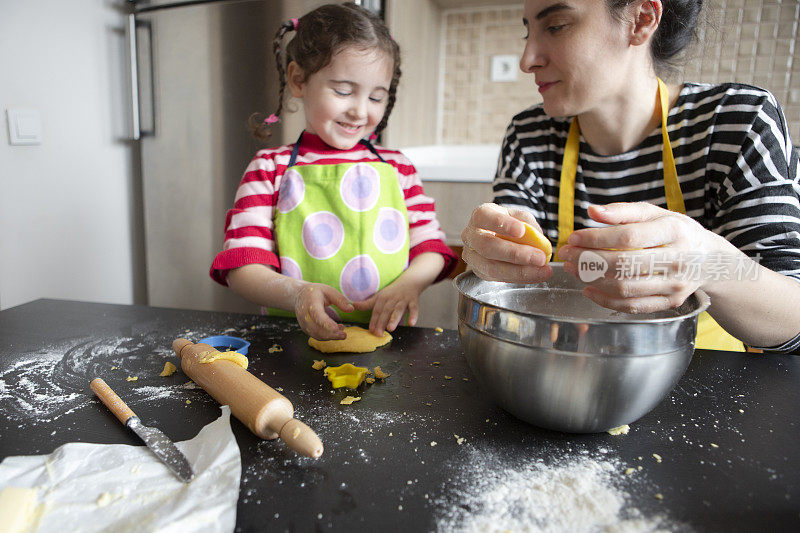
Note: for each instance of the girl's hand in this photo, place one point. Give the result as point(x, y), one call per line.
point(655, 258)
point(496, 259)
point(391, 303)
point(313, 314)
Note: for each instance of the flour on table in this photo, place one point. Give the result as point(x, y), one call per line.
point(577, 493)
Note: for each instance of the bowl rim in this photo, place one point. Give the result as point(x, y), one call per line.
point(703, 300)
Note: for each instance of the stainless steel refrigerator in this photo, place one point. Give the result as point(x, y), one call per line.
point(198, 71)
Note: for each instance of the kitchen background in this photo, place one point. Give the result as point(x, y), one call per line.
point(71, 208)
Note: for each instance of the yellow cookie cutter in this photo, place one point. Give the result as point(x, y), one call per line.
point(346, 375)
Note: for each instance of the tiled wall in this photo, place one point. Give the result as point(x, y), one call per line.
point(752, 41)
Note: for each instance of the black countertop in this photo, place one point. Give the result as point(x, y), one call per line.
point(418, 449)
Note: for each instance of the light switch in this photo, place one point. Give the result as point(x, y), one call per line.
point(504, 68)
point(24, 126)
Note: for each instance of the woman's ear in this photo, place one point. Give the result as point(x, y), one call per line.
point(646, 18)
point(295, 78)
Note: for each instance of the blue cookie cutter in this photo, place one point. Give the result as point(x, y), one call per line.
point(228, 343)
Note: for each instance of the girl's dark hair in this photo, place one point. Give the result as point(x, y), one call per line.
point(676, 30)
point(321, 34)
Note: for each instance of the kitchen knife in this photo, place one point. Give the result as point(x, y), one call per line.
point(158, 443)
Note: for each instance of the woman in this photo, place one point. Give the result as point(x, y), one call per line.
point(592, 168)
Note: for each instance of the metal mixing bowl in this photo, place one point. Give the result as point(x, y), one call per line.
point(555, 359)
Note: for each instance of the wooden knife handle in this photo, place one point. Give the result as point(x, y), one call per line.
point(111, 400)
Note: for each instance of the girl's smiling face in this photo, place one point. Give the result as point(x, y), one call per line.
point(577, 53)
point(345, 100)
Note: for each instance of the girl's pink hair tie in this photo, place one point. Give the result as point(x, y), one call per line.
point(272, 119)
point(373, 136)
point(294, 23)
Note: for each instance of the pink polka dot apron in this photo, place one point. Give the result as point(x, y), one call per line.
point(344, 225)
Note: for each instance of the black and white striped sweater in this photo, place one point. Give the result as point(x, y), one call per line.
point(736, 166)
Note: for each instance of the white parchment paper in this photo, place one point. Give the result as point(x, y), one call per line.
point(116, 487)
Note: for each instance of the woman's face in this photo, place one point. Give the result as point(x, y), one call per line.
point(577, 53)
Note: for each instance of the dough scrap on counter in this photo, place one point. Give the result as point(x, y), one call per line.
point(319, 365)
point(169, 369)
point(620, 430)
point(350, 399)
point(275, 348)
point(236, 357)
point(380, 374)
point(17, 506)
point(346, 375)
point(358, 340)
point(132, 378)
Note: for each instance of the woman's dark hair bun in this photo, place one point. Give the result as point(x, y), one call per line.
point(677, 29)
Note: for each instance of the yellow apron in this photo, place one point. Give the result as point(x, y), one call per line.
point(710, 335)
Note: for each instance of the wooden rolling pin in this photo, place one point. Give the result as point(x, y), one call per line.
point(261, 408)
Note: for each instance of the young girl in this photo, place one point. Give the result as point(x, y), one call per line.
point(333, 220)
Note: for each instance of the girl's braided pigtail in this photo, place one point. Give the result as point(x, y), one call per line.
point(260, 127)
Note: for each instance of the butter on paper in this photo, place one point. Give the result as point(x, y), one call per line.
point(118, 487)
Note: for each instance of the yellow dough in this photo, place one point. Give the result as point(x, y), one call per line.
point(169, 369)
point(359, 340)
point(532, 237)
point(236, 357)
point(16, 509)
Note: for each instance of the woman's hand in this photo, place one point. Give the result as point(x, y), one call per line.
point(655, 258)
point(496, 259)
point(311, 307)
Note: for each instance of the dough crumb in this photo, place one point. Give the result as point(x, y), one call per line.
point(436, 363)
point(131, 378)
point(437, 329)
point(370, 381)
point(350, 399)
point(104, 499)
point(114, 368)
point(276, 348)
point(433, 443)
point(188, 402)
point(620, 430)
point(657, 457)
point(714, 445)
point(629, 471)
point(459, 440)
point(169, 369)
point(659, 496)
point(465, 379)
point(448, 377)
point(319, 365)
point(380, 374)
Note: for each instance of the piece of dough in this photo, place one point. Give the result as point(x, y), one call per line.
point(17, 507)
point(532, 237)
point(359, 340)
point(169, 369)
point(620, 430)
point(236, 357)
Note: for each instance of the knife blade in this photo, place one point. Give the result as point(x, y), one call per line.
point(155, 439)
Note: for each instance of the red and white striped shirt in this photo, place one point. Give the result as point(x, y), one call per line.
point(249, 226)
